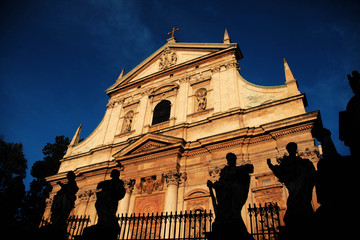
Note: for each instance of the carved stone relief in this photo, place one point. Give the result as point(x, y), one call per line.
point(150, 184)
point(153, 203)
point(201, 99)
point(167, 59)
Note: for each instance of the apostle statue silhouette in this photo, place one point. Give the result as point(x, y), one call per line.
point(108, 196)
point(350, 119)
point(107, 199)
point(61, 207)
point(232, 190)
point(298, 175)
point(64, 200)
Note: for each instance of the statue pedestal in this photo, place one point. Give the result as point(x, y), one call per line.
point(52, 231)
point(228, 230)
point(100, 232)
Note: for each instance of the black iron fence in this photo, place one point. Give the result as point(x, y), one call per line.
point(76, 225)
point(187, 225)
point(264, 221)
point(264, 224)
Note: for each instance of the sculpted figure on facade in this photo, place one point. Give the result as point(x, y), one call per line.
point(232, 190)
point(201, 97)
point(349, 119)
point(64, 200)
point(109, 192)
point(128, 120)
point(298, 175)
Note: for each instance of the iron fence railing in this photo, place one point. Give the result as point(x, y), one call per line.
point(75, 225)
point(264, 224)
point(264, 221)
point(187, 225)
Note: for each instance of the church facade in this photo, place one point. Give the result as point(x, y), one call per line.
point(170, 122)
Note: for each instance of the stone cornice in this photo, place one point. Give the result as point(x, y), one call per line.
point(254, 137)
point(240, 137)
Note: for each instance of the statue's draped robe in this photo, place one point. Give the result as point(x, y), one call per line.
point(107, 200)
point(63, 202)
point(232, 191)
point(298, 175)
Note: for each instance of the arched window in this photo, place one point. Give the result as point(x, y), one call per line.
point(161, 112)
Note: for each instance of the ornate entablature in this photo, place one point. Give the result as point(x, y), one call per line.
point(164, 91)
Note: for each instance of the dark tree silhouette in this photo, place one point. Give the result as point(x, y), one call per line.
point(13, 167)
point(34, 202)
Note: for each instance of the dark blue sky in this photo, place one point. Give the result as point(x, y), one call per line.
point(58, 57)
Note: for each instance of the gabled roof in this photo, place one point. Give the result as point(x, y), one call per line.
point(186, 54)
point(148, 144)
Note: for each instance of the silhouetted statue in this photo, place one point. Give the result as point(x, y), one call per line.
point(350, 119)
point(298, 175)
point(61, 207)
point(331, 177)
point(64, 200)
point(232, 190)
point(108, 198)
point(111, 191)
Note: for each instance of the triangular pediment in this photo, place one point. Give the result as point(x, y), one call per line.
point(149, 143)
point(168, 57)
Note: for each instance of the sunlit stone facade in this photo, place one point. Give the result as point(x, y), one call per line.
point(171, 120)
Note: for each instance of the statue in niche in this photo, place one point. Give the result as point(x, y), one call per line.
point(201, 99)
point(232, 190)
point(128, 120)
point(298, 175)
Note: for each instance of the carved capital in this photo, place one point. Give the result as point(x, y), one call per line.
point(175, 177)
point(86, 195)
point(129, 185)
point(214, 172)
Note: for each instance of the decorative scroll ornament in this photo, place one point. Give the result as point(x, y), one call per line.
point(167, 59)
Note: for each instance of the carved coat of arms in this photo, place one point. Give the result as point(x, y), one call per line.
point(167, 59)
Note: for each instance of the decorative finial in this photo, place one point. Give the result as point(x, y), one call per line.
point(172, 39)
point(74, 141)
point(290, 81)
point(121, 74)
point(288, 74)
point(226, 37)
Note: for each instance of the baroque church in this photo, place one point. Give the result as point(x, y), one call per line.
point(170, 122)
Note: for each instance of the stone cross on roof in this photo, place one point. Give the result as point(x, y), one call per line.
point(173, 31)
point(172, 39)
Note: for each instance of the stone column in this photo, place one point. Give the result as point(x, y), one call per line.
point(125, 202)
point(173, 179)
